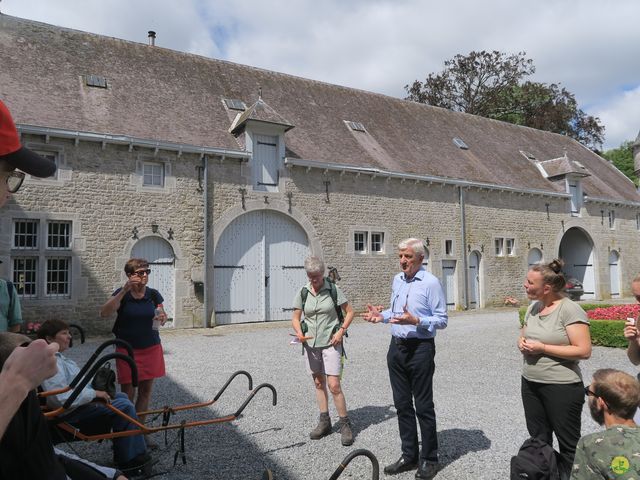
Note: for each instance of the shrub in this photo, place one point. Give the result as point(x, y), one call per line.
point(608, 333)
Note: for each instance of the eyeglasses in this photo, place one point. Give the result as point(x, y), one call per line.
point(141, 273)
point(14, 181)
point(589, 393)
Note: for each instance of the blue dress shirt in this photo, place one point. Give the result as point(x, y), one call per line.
point(424, 298)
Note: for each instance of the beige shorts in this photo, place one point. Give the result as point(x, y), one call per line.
point(325, 360)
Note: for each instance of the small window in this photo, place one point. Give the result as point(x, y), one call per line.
point(511, 242)
point(59, 235)
point(356, 126)
point(576, 202)
point(377, 242)
point(25, 270)
point(235, 104)
point(499, 246)
point(95, 81)
point(152, 174)
point(448, 247)
point(360, 242)
point(458, 142)
point(58, 270)
point(612, 219)
point(637, 221)
point(25, 235)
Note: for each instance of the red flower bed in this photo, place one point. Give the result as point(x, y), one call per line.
point(617, 312)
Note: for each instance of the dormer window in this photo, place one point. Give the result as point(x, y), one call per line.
point(574, 187)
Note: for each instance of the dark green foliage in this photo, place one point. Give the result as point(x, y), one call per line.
point(608, 333)
point(622, 158)
point(493, 85)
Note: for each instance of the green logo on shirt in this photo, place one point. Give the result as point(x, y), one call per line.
point(619, 465)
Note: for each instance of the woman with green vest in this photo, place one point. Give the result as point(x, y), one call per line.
point(327, 316)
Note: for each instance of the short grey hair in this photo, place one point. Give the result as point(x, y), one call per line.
point(313, 265)
point(414, 244)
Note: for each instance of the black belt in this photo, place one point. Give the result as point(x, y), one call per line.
point(411, 341)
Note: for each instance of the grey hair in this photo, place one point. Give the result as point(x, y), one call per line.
point(313, 265)
point(414, 244)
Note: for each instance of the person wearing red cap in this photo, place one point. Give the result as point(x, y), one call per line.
point(16, 160)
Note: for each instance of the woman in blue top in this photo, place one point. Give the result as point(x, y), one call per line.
point(137, 307)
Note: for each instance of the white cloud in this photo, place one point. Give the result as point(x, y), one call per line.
point(621, 117)
point(590, 47)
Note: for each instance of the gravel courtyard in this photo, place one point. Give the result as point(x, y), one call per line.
point(480, 418)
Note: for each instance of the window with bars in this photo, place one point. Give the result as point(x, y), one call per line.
point(360, 242)
point(42, 266)
point(153, 174)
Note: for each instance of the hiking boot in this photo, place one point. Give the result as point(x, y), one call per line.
point(323, 428)
point(346, 435)
point(140, 465)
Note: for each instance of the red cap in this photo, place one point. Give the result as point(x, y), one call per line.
point(12, 152)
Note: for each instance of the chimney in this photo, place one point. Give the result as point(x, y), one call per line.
point(152, 38)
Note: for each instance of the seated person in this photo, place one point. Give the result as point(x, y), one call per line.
point(130, 453)
point(26, 448)
point(613, 399)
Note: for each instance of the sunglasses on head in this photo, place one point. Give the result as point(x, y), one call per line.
point(141, 273)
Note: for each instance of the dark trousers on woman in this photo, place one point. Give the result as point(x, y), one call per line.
point(411, 367)
point(555, 408)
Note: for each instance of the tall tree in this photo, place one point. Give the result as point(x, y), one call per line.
point(622, 158)
point(493, 85)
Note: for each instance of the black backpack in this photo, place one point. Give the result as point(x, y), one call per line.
point(536, 460)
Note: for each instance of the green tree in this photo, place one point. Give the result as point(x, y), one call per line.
point(622, 158)
point(493, 85)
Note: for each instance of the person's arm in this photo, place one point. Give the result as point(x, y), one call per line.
point(14, 314)
point(633, 350)
point(432, 309)
point(112, 305)
point(295, 323)
point(23, 371)
point(579, 347)
point(581, 469)
point(348, 318)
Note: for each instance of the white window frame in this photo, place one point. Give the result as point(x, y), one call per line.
point(510, 247)
point(361, 245)
point(448, 248)
point(574, 187)
point(373, 242)
point(43, 254)
point(168, 179)
point(153, 166)
point(498, 246)
point(612, 219)
point(63, 172)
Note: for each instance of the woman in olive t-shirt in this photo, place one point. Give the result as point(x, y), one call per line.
point(554, 338)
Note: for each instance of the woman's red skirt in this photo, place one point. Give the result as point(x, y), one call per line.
point(150, 363)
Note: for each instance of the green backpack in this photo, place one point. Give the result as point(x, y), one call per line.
point(333, 291)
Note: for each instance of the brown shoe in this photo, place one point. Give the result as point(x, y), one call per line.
point(346, 435)
point(323, 428)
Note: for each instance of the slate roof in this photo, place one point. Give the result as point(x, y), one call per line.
point(562, 166)
point(161, 94)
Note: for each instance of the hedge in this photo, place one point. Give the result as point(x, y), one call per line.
point(605, 333)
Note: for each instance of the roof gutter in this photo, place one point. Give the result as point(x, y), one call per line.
point(627, 203)
point(418, 178)
point(105, 138)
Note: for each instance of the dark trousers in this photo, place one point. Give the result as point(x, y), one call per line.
point(411, 367)
point(555, 408)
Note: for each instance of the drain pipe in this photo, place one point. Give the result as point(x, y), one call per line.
point(207, 271)
point(463, 234)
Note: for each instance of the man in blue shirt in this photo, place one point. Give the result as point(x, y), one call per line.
point(418, 309)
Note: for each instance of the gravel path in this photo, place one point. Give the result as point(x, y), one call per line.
point(479, 413)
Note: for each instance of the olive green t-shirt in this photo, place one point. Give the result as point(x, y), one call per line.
point(551, 330)
point(320, 313)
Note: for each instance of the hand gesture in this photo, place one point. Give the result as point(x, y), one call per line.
point(132, 280)
point(336, 339)
point(521, 343)
point(405, 319)
point(372, 314)
point(28, 366)
point(532, 347)
point(160, 315)
point(630, 331)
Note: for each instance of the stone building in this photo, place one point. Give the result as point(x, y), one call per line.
point(227, 176)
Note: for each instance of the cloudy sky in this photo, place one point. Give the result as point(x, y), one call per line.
point(591, 47)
